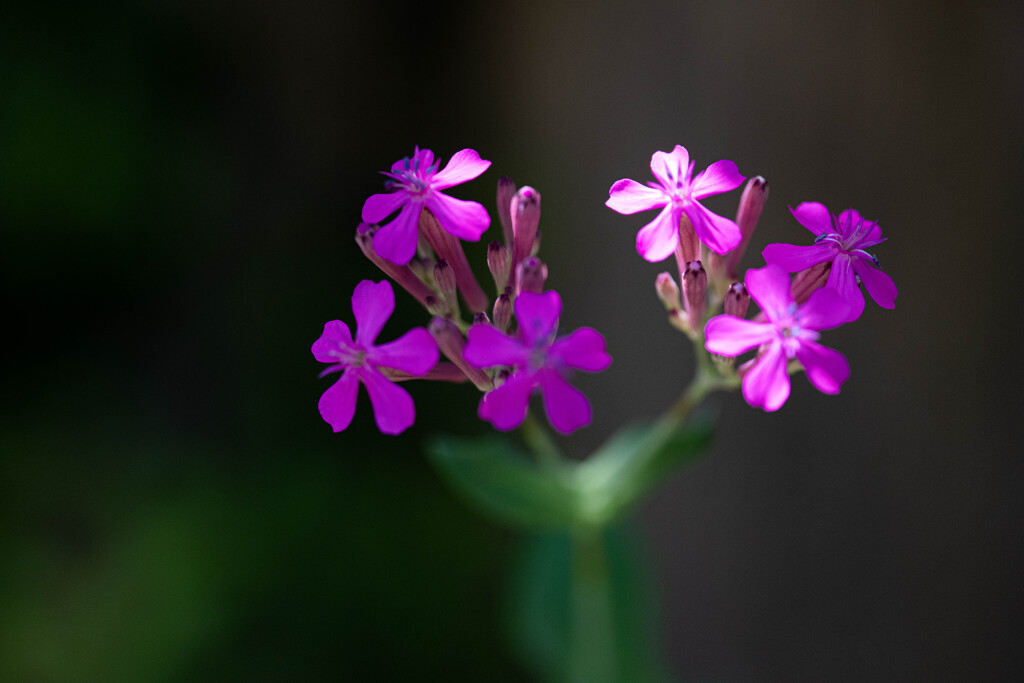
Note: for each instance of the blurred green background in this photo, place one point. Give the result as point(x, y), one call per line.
point(179, 187)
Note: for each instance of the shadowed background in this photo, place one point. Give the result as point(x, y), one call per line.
point(180, 187)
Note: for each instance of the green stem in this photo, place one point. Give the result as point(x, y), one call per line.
point(592, 656)
point(540, 442)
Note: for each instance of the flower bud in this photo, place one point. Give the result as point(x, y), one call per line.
point(806, 281)
point(497, 263)
point(695, 287)
point(531, 275)
point(451, 343)
point(668, 292)
point(737, 300)
point(444, 278)
point(506, 188)
point(688, 248)
point(525, 218)
point(481, 318)
point(405, 276)
point(755, 194)
point(436, 306)
point(503, 312)
point(449, 248)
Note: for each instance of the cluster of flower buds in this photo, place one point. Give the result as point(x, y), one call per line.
point(824, 293)
point(509, 356)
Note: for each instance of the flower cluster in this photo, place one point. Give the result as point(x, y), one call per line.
point(510, 350)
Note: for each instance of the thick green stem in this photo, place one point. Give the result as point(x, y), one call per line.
point(592, 657)
point(540, 442)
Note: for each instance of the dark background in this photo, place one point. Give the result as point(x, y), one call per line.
point(179, 187)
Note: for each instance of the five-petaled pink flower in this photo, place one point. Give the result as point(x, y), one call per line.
point(538, 360)
point(842, 240)
point(415, 352)
point(418, 183)
point(791, 332)
point(677, 193)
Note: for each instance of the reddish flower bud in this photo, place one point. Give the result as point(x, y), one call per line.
point(531, 275)
point(695, 287)
point(737, 300)
point(451, 342)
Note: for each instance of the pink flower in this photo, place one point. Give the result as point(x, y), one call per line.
point(791, 332)
point(418, 183)
point(841, 240)
point(677, 194)
point(415, 353)
point(538, 360)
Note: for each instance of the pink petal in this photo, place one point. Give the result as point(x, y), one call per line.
point(464, 219)
point(464, 165)
point(584, 349)
point(566, 406)
point(537, 315)
point(767, 384)
point(393, 409)
point(722, 235)
point(380, 206)
point(658, 240)
point(486, 347)
point(338, 404)
point(628, 197)
point(769, 287)
point(325, 349)
point(825, 309)
point(415, 352)
point(728, 335)
point(668, 168)
point(878, 283)
point(792, 258)
point(396, 241)
point(373, 303)
point(843, 281)
point(505, 407)
point(826, 369)
point(813, 216)
point(721, 176)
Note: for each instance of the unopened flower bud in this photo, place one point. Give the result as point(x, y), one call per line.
point(506, 188)
point(755, 194)
point(503, 312)
point(405, 276)
point(451, 343)
point(737, 300)
point(481, 319)
point(806, 281)
point(497, 263)
point(688, 248)
point(449, 248)
point(695, 287)
point(525, 218)
point(436, 306)
point(531, 275)
point(444, 278)
point(668, 292)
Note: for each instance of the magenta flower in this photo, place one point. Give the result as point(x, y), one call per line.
point(538, 360)
point(418, 183)
point(676, 194)
point(791, 332)
point(842, 240)
point(415, 353)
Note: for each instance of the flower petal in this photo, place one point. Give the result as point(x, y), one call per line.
point(721, 234)
point(767, 384)
point(373, 303)
point(584, 349)
point(486, 347)
point(814, 216)
point(336, 334)
point(669, 167)
point(566, 406)
point(628, 197)
point(414, 352)
point(537, 315)
point(393, 409)
point(826, 368)
point(769, 287)
point(396, 241)
point(465, 219)
point(843, 281)
point(792, 258)
point(657, 240)
point(505, 407)
point(825, 309)
point(728, 335)
point(380, 206)
point(721, 176)
point(878, 283)
point(338, 403)
point(464, 165)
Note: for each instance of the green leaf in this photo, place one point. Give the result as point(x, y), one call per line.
point(503, 483)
